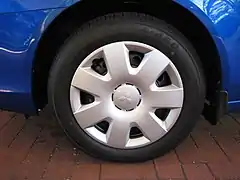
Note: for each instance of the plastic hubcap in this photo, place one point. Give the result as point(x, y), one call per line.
point(117, 101)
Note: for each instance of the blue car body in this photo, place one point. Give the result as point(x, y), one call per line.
point(23, 22)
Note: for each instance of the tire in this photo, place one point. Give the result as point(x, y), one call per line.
point(137, 28)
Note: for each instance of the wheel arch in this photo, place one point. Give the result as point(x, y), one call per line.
point(60, 28)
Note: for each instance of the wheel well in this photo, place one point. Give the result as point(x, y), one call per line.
point(68, 21)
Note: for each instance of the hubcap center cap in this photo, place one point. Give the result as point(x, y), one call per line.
point(126, 97)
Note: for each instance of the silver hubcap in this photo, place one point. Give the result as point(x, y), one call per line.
point(130, 106)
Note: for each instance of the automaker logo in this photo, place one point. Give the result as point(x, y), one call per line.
point(125, 98)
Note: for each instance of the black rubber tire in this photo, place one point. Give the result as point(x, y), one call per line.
point(128, 27)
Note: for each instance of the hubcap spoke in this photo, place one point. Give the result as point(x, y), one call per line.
point(118, 133)
point(165, 97)
point(152, 66)
point(172, 118)
point(87, 80)
point(151, 126)
point(91, 114)
point(117, 60)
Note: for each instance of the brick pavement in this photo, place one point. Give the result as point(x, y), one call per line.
point(36, 149)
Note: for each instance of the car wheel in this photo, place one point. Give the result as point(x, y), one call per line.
point(127, 87)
